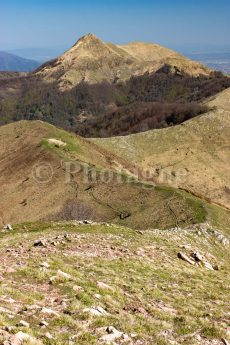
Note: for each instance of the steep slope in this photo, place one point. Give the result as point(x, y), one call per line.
point(10, 62)
point(194, 156)
point(93, 61)
point(47, 173)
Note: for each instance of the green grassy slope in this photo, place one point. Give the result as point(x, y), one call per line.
point(151, 295)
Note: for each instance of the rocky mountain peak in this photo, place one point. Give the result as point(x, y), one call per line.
point(92, 60)
point(86, 39)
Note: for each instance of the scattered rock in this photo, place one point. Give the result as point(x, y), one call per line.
point(78, 288)
point(208, 265)
point(198, 257)
point(53, 279)
point(113, 334)
point(56, 142)
point(185, 258)
point(221, 238)
point(140, 232)
point(44, 265)
point(97, 296)
point(85, 222)
point(60, 276)
point(6, 311)
point(97, 311)
point(225, 241)
point(67, 237)
point(8, 227)
point(24, 324)
point(49, 311)
point(9, 329)
point(10, 300)
point(48, 335)
point(43, 323)
point(20, 338)
point(104, 286)
point(64, 275)
point(39, 243)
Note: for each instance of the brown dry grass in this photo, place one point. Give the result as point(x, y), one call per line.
point(198, 148)
point(24, 146)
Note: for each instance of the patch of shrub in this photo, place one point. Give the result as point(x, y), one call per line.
point(144, 102)
point(76, 210)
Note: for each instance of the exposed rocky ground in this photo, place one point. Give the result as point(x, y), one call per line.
point(83, 283)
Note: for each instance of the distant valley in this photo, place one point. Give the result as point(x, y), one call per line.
point(219, 61)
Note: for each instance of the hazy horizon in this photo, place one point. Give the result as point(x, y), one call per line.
point(215, 57)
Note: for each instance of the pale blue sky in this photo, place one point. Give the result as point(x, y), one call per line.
point(50, 23)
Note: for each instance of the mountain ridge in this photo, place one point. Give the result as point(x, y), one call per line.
point(92, 60)
point(198, 147)
point(47, 173)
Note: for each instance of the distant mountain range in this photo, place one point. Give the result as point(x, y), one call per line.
point(11, 62)
point(39, 54)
